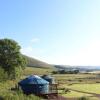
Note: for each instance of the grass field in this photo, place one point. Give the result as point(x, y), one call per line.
point(81, 82)
point(5, 87)
point(77, 78)
point(73, 81)
point(91, 88)
point(78, 90)
point(74, 94)
point(7, 94)
point(36, 71)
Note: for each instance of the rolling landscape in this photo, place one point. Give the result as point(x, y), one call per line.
point(49, 49)
point(72, 86)
point(78, 85)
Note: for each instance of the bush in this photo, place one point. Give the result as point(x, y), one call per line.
point(54, 72)
point(83, 98)
point(66, 91)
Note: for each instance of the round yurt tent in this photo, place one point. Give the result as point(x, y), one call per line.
point(48, 78)
point(53, 86)
point(34, 84)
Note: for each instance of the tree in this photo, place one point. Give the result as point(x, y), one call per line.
point(76, 71)
point(11, 60)
point(3, 75)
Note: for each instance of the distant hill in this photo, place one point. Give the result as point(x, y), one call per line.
point(32, 62)
point(80, 68)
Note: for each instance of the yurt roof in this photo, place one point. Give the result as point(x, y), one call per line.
point(47, 77)
point(33, 79)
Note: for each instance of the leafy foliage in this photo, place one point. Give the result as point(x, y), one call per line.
point(3, 75)
point(65, 72)
point(10, 57)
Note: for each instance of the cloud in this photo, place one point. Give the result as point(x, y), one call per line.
point(90, 55)
point(27, 51)
point(35, 40)
point(32, 52)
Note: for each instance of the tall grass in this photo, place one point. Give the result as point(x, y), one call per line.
point(7, 94)
point(83, 98)
point(18, 96)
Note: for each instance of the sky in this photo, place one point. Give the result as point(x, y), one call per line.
point(55, 31)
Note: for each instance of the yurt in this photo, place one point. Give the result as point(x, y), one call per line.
point(53, 86)
point(34, 85)
point(48, 78)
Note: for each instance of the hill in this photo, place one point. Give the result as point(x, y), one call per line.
point(32, 62)
point(80, 68)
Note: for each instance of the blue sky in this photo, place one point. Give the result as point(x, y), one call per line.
point(54, 31)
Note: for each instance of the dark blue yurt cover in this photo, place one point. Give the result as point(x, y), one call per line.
point(33, 79)
point(34, 84)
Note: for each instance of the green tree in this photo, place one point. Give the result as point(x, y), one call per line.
point(11, 60)
point(3, 75)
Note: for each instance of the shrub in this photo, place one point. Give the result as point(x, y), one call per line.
point(83, 98)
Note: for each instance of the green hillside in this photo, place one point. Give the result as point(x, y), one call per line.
point(32, 62)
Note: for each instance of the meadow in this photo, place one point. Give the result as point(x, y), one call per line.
point(79, 85)
point(36, 71)
point(7, 94)
point(91, 91)
point(79, 82)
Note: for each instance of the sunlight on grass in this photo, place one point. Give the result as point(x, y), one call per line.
point(37, 71)
point(92, 88)
point(75, 94)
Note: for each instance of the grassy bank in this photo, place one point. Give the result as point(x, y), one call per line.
point(7, 94)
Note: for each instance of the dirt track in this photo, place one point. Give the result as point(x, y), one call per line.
point(66, 98)
point(62, 98)
point(94, 94)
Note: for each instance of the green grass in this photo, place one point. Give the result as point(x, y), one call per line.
point(5, 87)
point(94, 98)
point(92, 88)
point(73, 76)
point(67, 79)
point(77, 78)
point(78, 82)
point(74, 94)
point(36, 71)
point(7, 94)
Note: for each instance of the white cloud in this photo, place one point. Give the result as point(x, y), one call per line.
point(35, 40)
point(27, 51)
point(32, 52)
point(90, 55)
